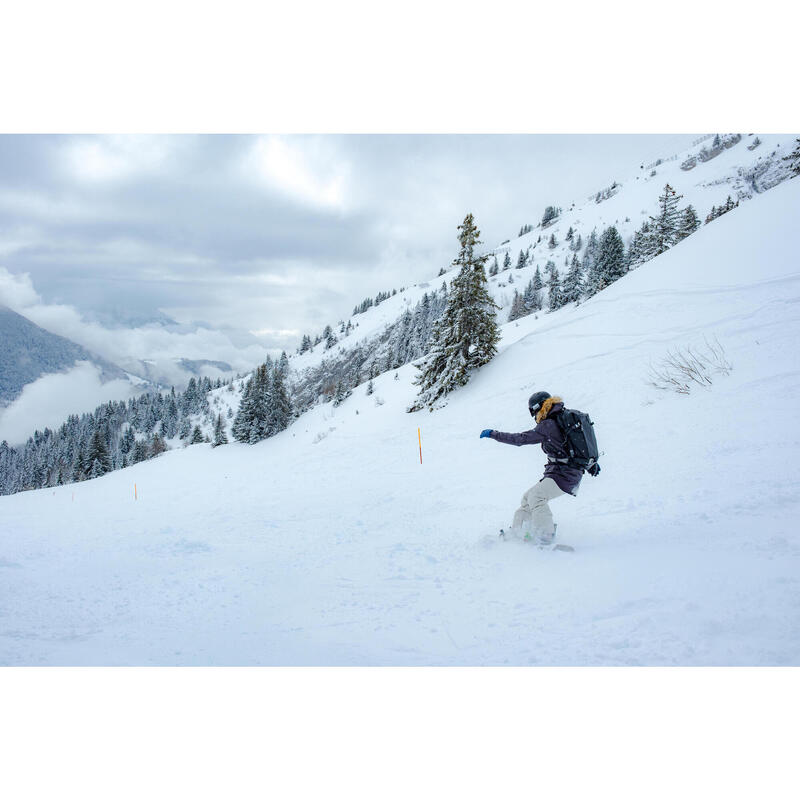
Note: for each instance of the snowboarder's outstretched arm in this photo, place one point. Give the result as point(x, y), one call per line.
point(518, 439)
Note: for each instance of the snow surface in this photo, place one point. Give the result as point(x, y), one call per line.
point(331, 544)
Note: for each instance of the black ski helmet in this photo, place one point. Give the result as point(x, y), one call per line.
point(535, 401)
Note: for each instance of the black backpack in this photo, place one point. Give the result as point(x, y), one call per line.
point(580, 444)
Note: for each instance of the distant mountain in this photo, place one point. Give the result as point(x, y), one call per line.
point(198, 366)
point(175, 371)
point(27, 352)
point(116, 318)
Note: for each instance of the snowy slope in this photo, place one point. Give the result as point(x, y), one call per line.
point(737, 171)
point(331, 544)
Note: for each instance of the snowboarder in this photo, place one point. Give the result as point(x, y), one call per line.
point(533, 520)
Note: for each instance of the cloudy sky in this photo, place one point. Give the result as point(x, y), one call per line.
point(271, 235)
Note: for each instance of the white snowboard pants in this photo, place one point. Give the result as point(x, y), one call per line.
point(534, 516)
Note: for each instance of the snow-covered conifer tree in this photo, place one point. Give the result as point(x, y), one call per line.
point(518, 308)
point(554, 297)
point(280, 405)
point(610, 263)
point(572, 288)
point(688, 223)
point(97, 456)
point(532, 296)
point(638, 250)
point(590, 252)
point(330, 337)
point(220, 436)
point(466, 336)
point(550, 213)
point(140, 451)
point(157, 445)
point(665, 224)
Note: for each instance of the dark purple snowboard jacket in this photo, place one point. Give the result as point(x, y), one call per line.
point(549, 436)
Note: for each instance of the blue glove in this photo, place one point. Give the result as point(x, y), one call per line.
point(486, 433)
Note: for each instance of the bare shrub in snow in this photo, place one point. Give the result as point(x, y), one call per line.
point(683, 369)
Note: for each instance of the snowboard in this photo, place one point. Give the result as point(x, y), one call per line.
point(561, 548)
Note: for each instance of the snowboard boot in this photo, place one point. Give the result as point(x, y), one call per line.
point(545, 540)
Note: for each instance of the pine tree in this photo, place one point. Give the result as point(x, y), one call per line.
point(140, 452)
point(794, 159)
point(572, 288)
point(665, 225)
point(554, 297)
point(330, 337)
point(280, 405)
point(518, 308)
point(97, 454)
point(246, 413)
point(283, 365)
point(197, 435)
point(494, 269)
point(610, 264)
point(157, 445)
point(590, 252)
point(551, 242)
point(341, 393)
point(466, 336)
point(550, 213)
point(507, 261)
point(538, 283)
point(521, 260)
point(532, 296)
point(638, 250)
point(688, 224)
point(220, 436)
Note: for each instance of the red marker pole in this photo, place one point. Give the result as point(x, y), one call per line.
point(419, 436)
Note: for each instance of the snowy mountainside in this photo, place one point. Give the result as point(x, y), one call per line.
point(29, 352)
point(735, 170)
point(330, 543)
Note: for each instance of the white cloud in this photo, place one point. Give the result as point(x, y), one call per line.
point(16, 291)
point(111, 158)
point(48, 401)
point(279, 333)
point(126, 346)
point(306, 170)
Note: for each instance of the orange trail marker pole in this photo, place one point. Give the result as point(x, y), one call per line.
point(135, 495)
point(419, 436)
